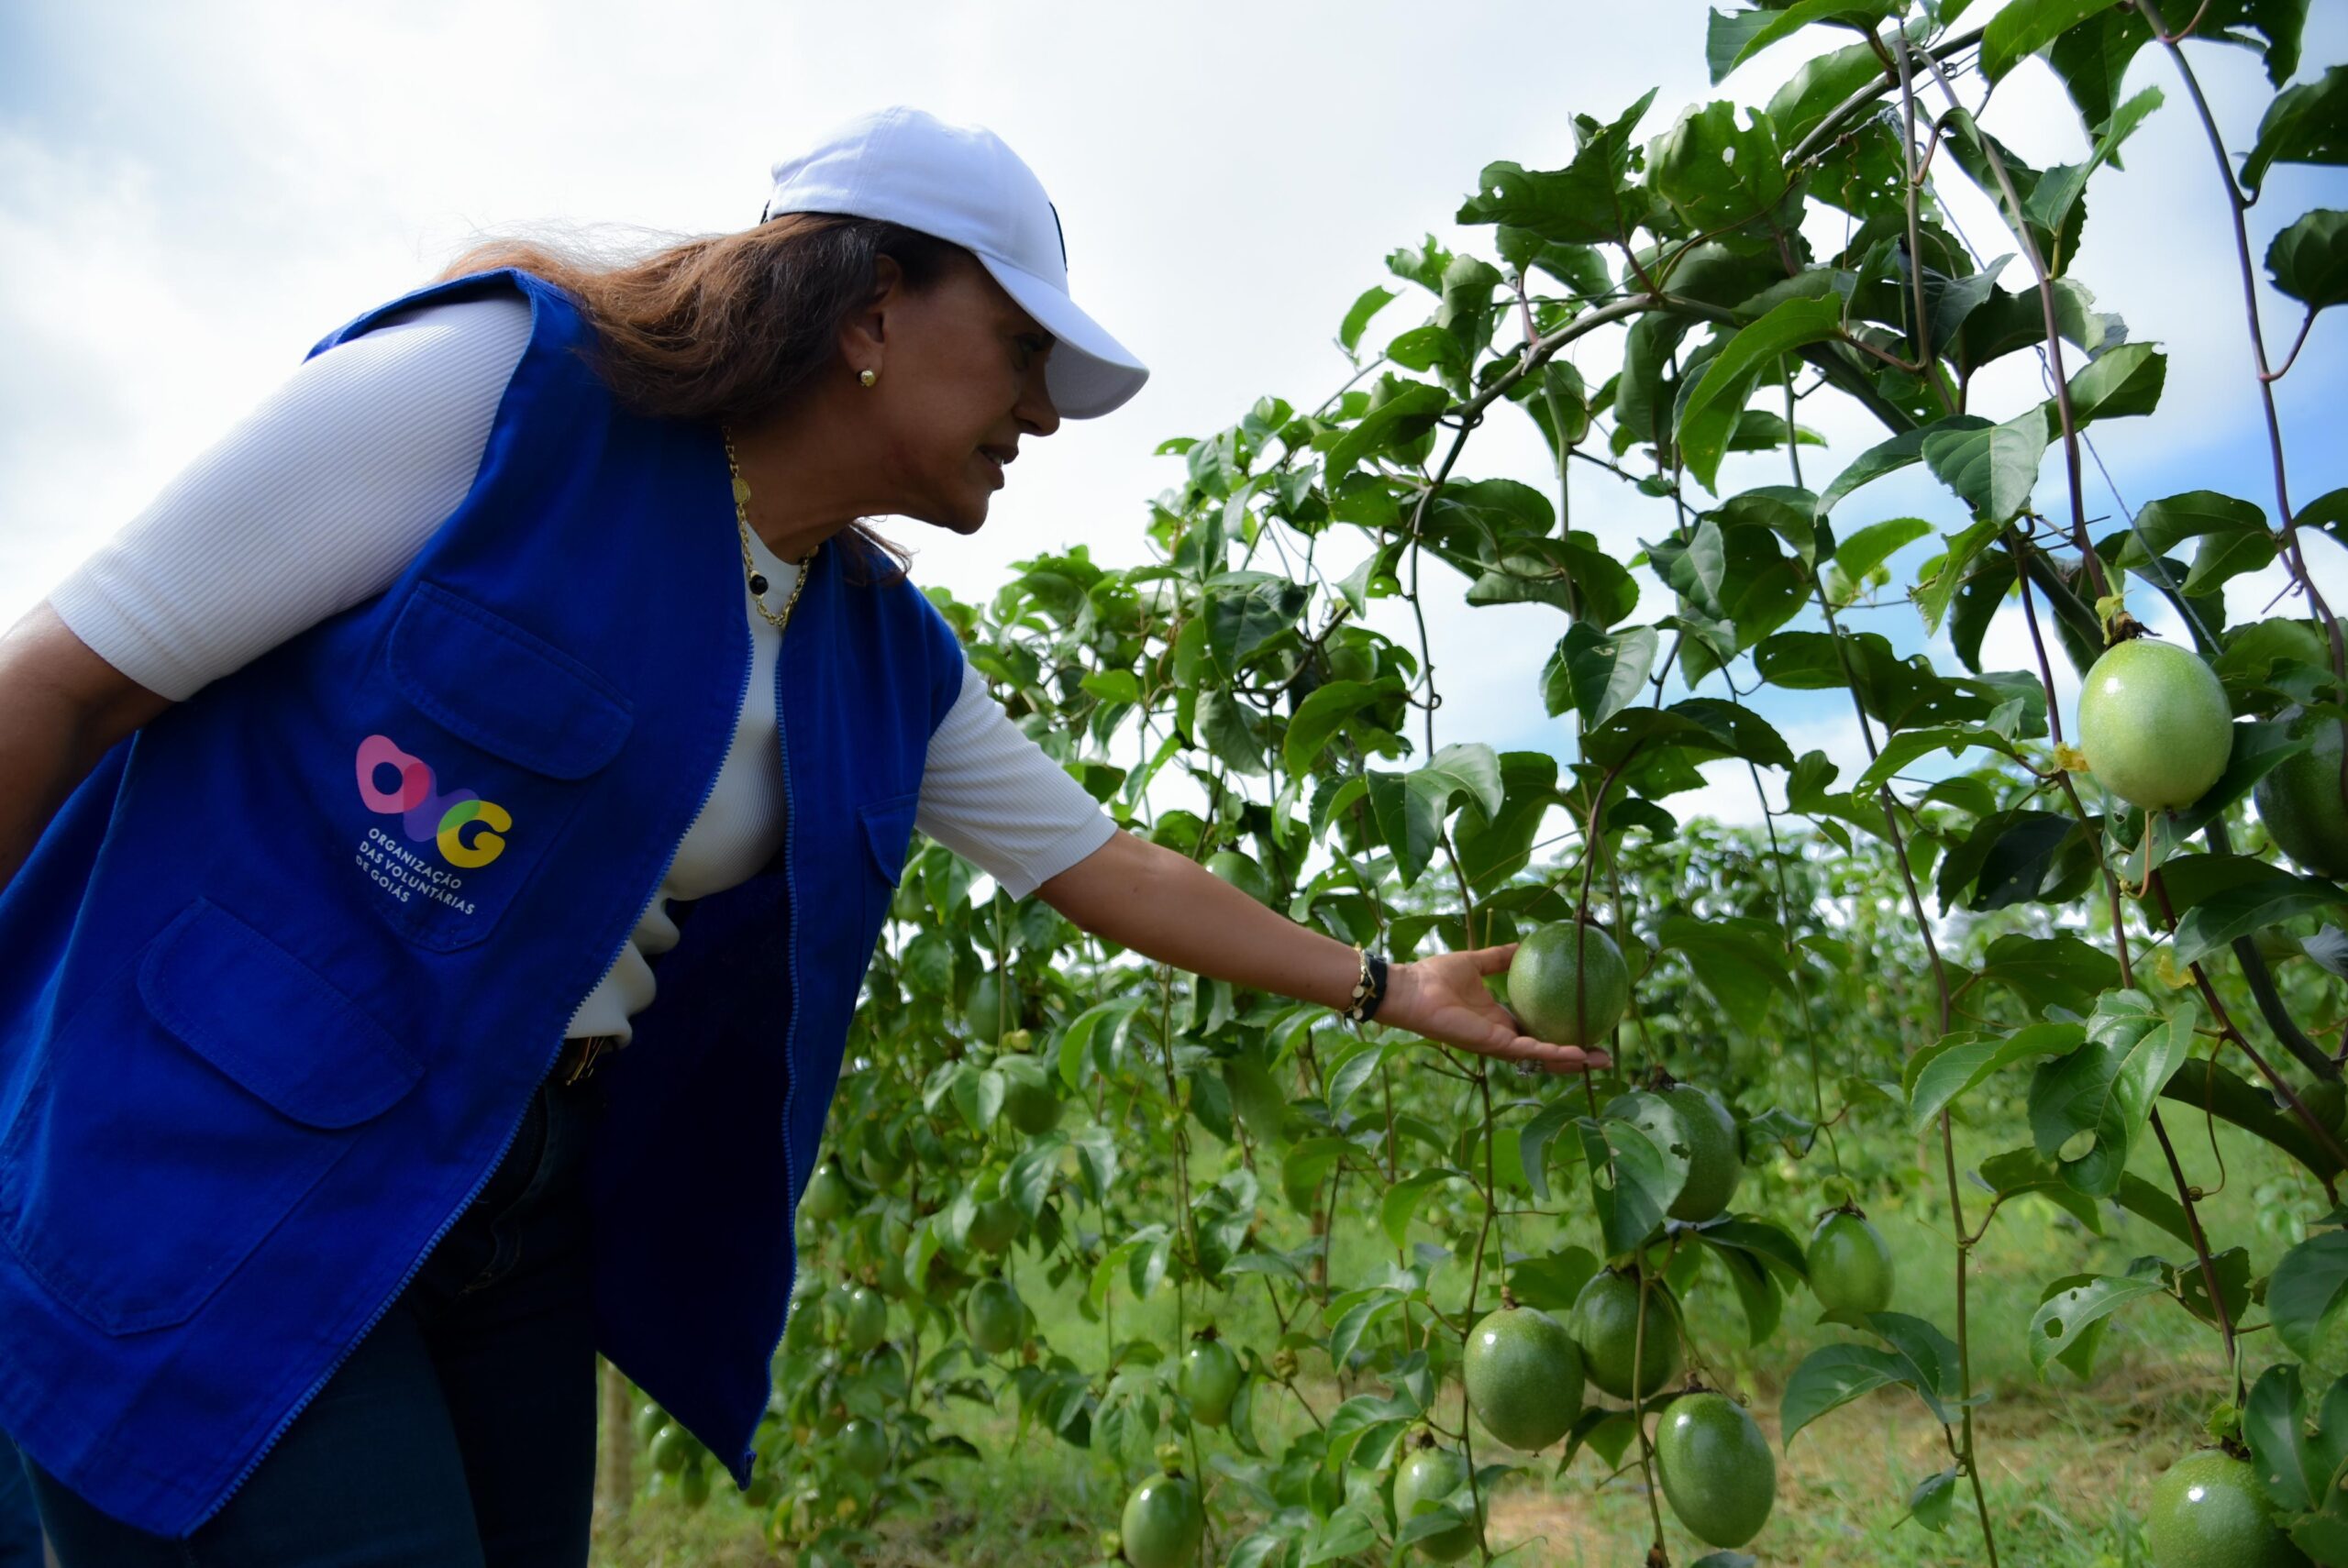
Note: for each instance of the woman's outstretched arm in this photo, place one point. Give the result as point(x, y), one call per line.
point(1144, 896)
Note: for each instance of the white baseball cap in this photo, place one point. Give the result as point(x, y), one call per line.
point(961, 183)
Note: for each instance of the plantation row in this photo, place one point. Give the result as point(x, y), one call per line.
point(2083, 935)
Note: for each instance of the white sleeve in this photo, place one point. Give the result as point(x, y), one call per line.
point(316, 500)
point(995, 797)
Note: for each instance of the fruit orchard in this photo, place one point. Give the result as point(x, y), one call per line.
point(2100, 943)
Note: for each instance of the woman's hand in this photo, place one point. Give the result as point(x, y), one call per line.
point(1444, 998)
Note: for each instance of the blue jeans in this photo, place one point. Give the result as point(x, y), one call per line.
point(461, 1430)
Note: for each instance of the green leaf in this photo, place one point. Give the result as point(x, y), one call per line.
point(2204, 1086)
point(1402, 1200)
point(1411, 808)
point(1382, 428)
point(1533, 1144)
point(2104, 1090)
point(1888, 456)
point(2049, 205)
point(1992, 468)
point(2050, 971)
point(2064, 1317)
point(2309, 261)
point(1868, 549)
point(1579, 204)
point(2020, 1172)
point(1715, 174)
point(1832, 1376)
point(2306, 124)
point(2122, 381)
point(1321, 715)
point(2305, 1292)
point(1733, 38)
point(1708, 420)
point(1905, 747)
point(2232, 532)
point(2214, 922)
point(1733, 962)
point(1370, 302)
point(1631, 1182)
point(1244, 609)
point(1930, 1503)
point(1232, 731)
point(2274, 1425)
point(1818, 86)
point(1938, 1073)
point(2025, 27)
point(1606, 671)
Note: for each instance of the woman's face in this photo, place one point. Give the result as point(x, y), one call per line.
point(961, 376)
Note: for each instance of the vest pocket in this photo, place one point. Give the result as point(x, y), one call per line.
point(888, 829)
point(180, 1116)
point(471, 772)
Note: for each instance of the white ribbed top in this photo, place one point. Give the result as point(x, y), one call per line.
point(321, 496)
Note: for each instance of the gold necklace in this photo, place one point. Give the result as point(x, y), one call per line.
point(750, 572)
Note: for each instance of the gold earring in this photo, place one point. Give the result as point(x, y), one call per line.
point(868, 377)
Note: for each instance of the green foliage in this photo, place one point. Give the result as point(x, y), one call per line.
point(1961, 942)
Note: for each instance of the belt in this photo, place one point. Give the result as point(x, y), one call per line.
point(581, 1054)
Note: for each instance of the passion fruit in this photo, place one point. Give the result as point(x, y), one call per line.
point(1428, 1476)
point(1524, 1376)
point(828, 1195)
point(1605, 1323)
point(1162, 1523)
point(1718, 1472)
point(865, 1320)
point(2154, 724)
point(2299, 803)
point(1850, 1266)
point(863, 1447)
point(1208, 1379)
point(993, 1010)
point(993, 1315)
point(1568, 984)
point(1028, 1103)
point(2207, 1512)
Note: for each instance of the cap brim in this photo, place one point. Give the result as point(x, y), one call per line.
point(1090, 372)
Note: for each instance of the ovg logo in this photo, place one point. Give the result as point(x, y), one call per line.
point(424, 814)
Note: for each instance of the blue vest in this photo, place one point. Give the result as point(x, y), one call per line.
point(284, 971)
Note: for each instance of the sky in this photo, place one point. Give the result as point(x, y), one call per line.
point(190, 197)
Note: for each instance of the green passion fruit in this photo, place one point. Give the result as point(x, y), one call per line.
point(2154, 724)
point(649, 1419)
point(828, 1195)
point(2206, 1513)
point(995, 1225)
point(2299, 803)
point(1850, 1268)
point(693, 1485)
point(1162, 1523)
point(993, 1010)
point(1028, 1103)
point(1243, 874)
point(1568, 984)
point(863, 1447)
point(1718, 1472)
point(1208, 1380)
point(1691, 1125)
point(1524, 1377)
point(864, 1318)
point(1428, 1476)
point(992, 1315)
point(670, 1447)
point(1605, 1323)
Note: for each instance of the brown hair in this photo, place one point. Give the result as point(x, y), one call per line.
point(730, 326)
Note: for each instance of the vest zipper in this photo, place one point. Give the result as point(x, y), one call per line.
point(789, 1036)
point(750, 653)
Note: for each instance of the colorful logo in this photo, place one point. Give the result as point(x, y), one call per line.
point(424, 813)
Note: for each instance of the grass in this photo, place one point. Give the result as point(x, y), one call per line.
point(2067, 1466)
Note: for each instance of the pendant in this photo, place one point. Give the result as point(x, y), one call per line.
point(758, 583)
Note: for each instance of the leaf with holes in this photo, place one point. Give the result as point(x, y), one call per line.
point(2102, 1092)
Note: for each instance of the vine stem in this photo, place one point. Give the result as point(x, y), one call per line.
point(2019, 225)
point(1967, 1453)
point(2237, 208)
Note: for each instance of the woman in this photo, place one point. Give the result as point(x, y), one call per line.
point(399, 737)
